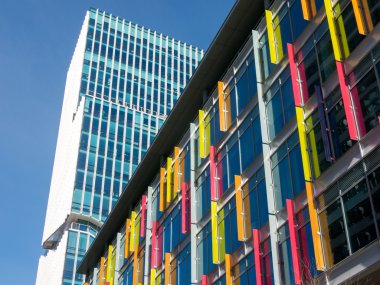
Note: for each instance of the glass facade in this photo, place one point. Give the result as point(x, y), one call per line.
point(276, 179)
point(130, 79)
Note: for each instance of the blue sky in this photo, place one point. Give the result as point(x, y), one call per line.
point(37, 40)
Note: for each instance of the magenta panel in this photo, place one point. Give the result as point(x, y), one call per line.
point(212, 173)
point(294, 76)
point(348, 107)
point(257, 255)
point(143, 216)
point(153, 263)
point(293, 242)
point(185, 208)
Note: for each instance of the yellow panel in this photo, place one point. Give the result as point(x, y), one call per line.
point(274, 37)
point(221, 236)
point(169, 180)
point(133, 232)
point(135, 267)
point(137, 230)
point(313, 147)
point(342, 31)
point(109, 264)
point(337, 31)
point(152, 277)
point(127, 234)
point(101, 271)
point(176, 172)
point(201, 134)
point(222, 114)
point(214, 232)
point(247, 212)
point(228, 270)
point(207, 135)
point(315, 230)
point(167, 268)
point(278, 39)
point(303, 144)
point(162, 189)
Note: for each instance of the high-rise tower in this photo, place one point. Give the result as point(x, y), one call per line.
point(122, 83)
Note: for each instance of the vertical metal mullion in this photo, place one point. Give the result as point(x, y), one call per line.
point(148, 236)
point(193, 221)
point(266, 160)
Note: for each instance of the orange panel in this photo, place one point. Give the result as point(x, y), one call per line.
point(228, 269)
point(167, 268)
point(127, 235)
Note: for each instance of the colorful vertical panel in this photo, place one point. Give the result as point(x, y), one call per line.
point(212, 174)
point(109, 263)
point(152, 276)
point(162, 190)
point(243, 213)
point(101, 271)
point(294, 242)
point(127, 236)
point(315, 229)
point(257, 256)
point(224, 107)
point(176, 175)
point(153, 262)
point(309, 9)
point(135, 277)
point(169, 195)
point(356, 127)
point(144, 199)
point(214, 232)
point(228, 269)
point(185, 209)
point(362, 16)
point(201, 141)
point(167, 268)
point(132, 238)
point(274, 37)
point(303, 144)
point(298, 76)
point(337, 31)
point(204, 280)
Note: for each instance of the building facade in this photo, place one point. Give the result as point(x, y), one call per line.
point(122, 83)
point(267, 171)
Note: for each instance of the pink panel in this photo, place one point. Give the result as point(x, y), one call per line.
point(267, 263)
point(293, 242)
point(219, 190)
point(347, 101)
point(212, 173)
point(159, 245)
point(153, 263)
point(143, 216)
point(185, 208)
point(358, 107)
point(256, 250)
point(204, 279)
point(294, 76)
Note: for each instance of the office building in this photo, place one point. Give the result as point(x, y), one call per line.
point(122, 83)
point(274, 177)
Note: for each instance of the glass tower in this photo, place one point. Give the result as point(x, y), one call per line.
point(122, 83)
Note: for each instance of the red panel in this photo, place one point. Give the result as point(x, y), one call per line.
point(358, 108)
point(212, 173)
point(204, 279)
point(294, 76)
point(347, 101)
point(143, 216)
point(256, 250)
point(159, 245)
point(267, 263)
point(293, 242)
point(185, 208)
point(154, 245)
